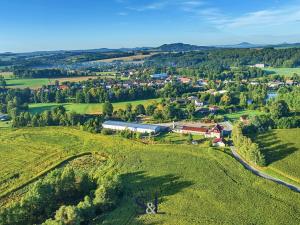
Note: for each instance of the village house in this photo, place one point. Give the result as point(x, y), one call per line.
point(198, 103)
point(215, 132)
point(213, 109)
point(185, 80)
point(159, 76)
point(218, 142)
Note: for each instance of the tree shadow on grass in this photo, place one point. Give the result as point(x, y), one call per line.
point(274, 149)
point(139, 185)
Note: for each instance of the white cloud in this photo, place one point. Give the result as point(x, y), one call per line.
point(268, 17)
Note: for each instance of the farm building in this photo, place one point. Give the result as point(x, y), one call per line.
point(215, 132)
point(218, 142)
point(160, 76)
point(135, 127)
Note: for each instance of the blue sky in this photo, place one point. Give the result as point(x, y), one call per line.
point(28, 25)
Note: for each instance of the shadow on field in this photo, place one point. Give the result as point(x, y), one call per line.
point(274, 149)
point(139, 187)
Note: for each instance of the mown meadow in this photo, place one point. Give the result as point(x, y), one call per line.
point(282, 149)
point(81, 108)
point(195, 184)
point(288, 72)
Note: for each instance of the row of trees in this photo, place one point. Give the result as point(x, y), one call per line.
point(248, 149)
point(24, 73)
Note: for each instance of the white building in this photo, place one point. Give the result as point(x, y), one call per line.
point(135, 127)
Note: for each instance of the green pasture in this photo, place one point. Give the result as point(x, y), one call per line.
point(81, 108)
point(195, 184)
point(236, 115)
point(288, 72)
point(27, 83)
point(282, 149)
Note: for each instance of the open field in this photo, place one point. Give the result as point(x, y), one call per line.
point(81, 108)
point(37, 82)
point(128, 58)
point(282, 148)
point(6, 75)
point(195, 184)
point(236, 115)
point(283, 71)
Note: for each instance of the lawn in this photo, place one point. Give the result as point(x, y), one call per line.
point(195, 184)
point(282, 148)
point(283, 71)
point(236, 115)
point(175, 138)
point(85, 108)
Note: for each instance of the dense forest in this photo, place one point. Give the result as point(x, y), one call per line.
point(289, 57)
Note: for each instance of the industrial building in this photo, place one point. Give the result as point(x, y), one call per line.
point(135, 127)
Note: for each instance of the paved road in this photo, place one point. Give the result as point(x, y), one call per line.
point(261, 174)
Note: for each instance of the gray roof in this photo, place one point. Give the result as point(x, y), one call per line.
point(132, 125)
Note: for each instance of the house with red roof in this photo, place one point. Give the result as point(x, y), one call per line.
point(218, 142)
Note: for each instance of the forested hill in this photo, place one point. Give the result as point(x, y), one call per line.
point(180, 47)
point(289, 57)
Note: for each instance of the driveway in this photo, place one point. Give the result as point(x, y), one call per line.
point(261, 174)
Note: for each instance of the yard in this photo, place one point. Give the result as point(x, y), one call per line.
point(195, 184)
point(282, 149)
point(85, 108)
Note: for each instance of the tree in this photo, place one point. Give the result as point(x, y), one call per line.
point(107, 109)
point(140, 110)
point(243, 99)
point(68, 215)
point(279, 109)
point(212, 100)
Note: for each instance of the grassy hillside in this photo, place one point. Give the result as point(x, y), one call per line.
point(85, 108)
point(283, 71)
point(195, 184)
point(283, 152)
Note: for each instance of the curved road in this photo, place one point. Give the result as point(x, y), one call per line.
point(261, 174)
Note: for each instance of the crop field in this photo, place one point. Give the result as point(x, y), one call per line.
point(81, 108)
point(236, 115)
point(284, 71)
point(195, 184)
point(128, 58)
point(282, 148)
point(37, 82)
point(6, 75)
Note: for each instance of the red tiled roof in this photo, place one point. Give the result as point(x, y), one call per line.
point(196, 129)
point(216, 140)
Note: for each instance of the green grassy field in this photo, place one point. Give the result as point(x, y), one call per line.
point(85, 108)
point(283, 71)
point(236, 115)
point(195, 184)
point(282, 148)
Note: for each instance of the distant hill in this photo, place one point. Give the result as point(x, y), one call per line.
point(181, 47)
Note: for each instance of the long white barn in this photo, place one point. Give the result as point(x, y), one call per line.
point(135, 127)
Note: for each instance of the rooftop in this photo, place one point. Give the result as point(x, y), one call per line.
point(132, 125)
